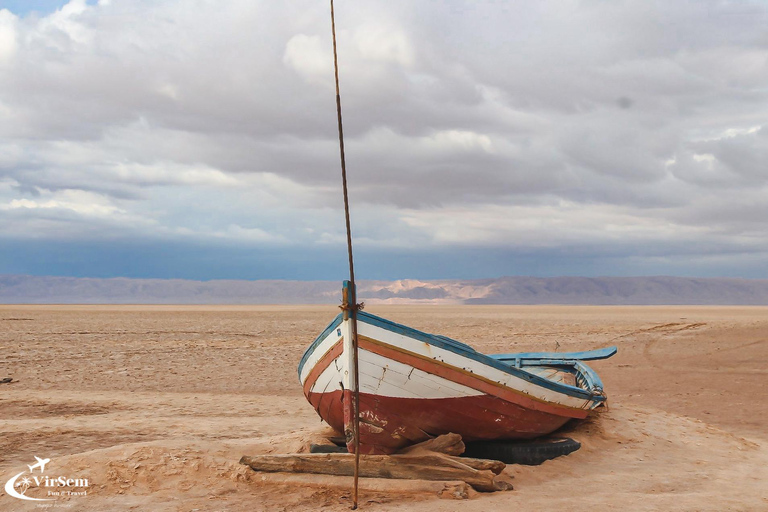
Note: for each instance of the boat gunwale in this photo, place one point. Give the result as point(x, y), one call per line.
point(461, 349)
point(312, 346)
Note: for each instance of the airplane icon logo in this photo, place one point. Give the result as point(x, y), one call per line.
point(40, 464)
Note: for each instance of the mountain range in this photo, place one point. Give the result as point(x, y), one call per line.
point(662, 290)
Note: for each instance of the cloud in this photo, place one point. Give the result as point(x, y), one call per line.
point(8, 43)
point(309, 57)
point(384, 44)
point(623, 128)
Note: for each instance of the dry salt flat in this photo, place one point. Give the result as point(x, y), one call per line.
point(154, 405)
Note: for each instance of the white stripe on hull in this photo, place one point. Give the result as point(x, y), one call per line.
point(451, 358)
point(318, 353)
point(331, 378)
point(384, 377)
point(403, 381)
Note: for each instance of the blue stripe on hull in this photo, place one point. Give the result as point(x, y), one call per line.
point(590, 355)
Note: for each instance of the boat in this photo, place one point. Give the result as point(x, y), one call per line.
point(414, 386)
point(387, 386)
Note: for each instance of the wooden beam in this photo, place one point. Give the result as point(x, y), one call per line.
point(421, 467)
point(453, 489)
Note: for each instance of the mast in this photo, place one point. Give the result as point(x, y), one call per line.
point(350, 304)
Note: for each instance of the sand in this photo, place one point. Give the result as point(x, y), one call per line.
point(154, 405)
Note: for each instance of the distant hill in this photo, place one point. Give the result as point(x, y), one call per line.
point(17, 289)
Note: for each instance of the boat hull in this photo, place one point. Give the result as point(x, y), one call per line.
point(414, 386)
point(391, 423)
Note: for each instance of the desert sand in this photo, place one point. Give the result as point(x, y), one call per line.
point(154, 405)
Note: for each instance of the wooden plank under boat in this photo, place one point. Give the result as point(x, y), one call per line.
point(415, 385)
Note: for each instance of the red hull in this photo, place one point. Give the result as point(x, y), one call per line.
point(388, 423)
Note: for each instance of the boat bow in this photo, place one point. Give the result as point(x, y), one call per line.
point(414, 385)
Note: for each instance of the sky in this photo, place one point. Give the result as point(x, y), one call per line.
point(198, 139)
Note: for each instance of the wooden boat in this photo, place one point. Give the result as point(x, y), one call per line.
point(415, 385)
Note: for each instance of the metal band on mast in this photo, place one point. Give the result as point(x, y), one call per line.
point(352, 297)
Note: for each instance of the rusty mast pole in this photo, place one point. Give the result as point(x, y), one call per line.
point(352, 297)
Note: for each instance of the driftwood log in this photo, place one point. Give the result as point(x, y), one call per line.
point(483, 475)
point(450, 444)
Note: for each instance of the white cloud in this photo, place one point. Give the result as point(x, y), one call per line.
point(170, 173)
point(461, 140)
point(84, 208)
point(308, 56)
point(240, 233)
point(8, 43)
point(66, 22)
point(384, 44)
point(565, 223)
